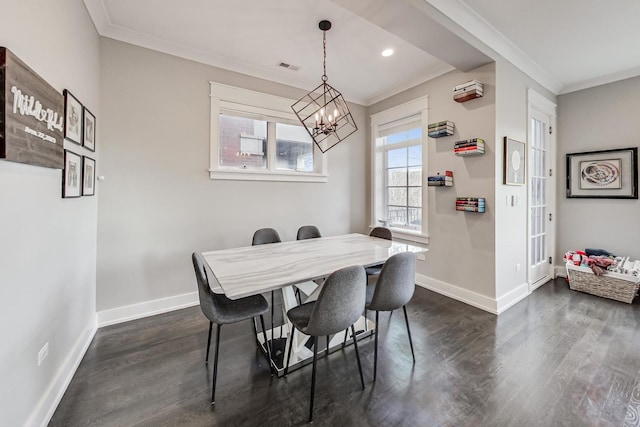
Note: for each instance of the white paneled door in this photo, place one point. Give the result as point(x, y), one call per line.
point(541, 199)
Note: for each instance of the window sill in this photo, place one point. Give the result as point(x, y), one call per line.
point(253, 175)
point(408, 235)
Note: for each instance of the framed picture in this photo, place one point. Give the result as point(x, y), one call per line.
point(606, 174)
point(514, 161)
point(71, 174)
point(89, 130)
point(72, 118)
point(88, 176)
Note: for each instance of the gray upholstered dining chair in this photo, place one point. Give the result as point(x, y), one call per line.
point(394, 289)
point(382, 233)
point(265, 236)
point(339, 305)
point(308, 232)
point(221, 310)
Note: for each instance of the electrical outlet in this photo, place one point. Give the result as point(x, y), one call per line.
point(518, 267)
point(43, 353)
point(421, 257)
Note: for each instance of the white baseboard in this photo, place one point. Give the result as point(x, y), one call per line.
point(560, 271)
point(145, 309)
point(43, 412)
point(512, 297)
point(464, 295)
point(493, 306)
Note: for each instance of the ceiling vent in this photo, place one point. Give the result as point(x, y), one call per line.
point(288, 66)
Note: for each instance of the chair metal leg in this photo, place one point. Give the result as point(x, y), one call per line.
point(366, 321)
point(215, 366)
point(264, 335)
point(272, 313)
point(326, 353)
point(346, 335)
point(406, 319)
point(293, 331)
point(206, 360)
point(375, 350)
point(355, 345)
point(255, 330)
point(313, 377)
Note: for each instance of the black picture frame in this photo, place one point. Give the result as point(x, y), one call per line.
point(88, 176)
point(71, 175)
point(72, 118)
point(603, 174)
point(514, 162)
point(88, 129)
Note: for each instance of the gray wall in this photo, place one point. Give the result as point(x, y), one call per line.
point(47, 244)
point(511, 229)
point(600, 118)
point(158, 204)
point(461, 245)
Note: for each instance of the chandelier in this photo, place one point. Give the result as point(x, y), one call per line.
point(323, 112)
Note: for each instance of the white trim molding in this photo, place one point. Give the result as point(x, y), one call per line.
point(469, 20)
point(48, 403)
point(560, 271)
point(266, 107)
point(483, 302)
point(540, 103)
point(413, 111)
point(247, 175)
point(512, 297)
point(603, 80)
point(463, 295)
point(146, 308)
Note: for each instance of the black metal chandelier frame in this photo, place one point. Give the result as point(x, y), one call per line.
point(323, 112)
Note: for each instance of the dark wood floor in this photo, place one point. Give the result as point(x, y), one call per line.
point(557, 358)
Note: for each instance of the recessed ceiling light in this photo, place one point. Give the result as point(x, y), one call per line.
point(387, 52)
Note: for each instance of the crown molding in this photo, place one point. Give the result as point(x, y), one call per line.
point(98, 13)
point(436, 72)
point(469, 20)
point(106, 28)
point(609, 78)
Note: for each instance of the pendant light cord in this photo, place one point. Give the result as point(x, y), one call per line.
point(324, 56)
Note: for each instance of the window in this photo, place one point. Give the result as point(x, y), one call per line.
point(294, 148)
point(255, 136)
point(399, 198)
point(242, 142)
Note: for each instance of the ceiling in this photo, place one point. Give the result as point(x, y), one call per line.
point(565, 46)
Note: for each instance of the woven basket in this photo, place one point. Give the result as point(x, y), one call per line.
point(619, 287)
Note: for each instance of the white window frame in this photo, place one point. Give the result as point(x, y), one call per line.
point(378, 194)
point(270, 107)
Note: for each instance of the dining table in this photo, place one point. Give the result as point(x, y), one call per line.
point(285, 266)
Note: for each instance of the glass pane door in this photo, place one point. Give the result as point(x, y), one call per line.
point(539, 266)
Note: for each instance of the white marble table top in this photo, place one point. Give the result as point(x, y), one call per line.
point(256, 269)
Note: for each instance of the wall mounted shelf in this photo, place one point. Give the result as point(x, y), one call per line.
point(467, 91)
point(470, 204)
point(440, 180)
point(469, 147)
point(440, 129)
